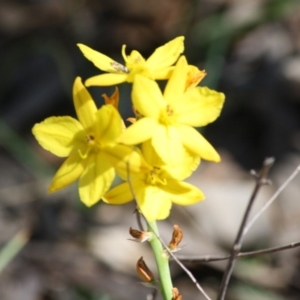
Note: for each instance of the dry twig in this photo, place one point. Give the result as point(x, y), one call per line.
point(261, 179)
point(211, 258)
point(272, 199)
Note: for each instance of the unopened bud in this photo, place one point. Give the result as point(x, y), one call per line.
point(175, 294)
point(139, 236)
point(113, 99)
point(176, 238)
point(143, 271)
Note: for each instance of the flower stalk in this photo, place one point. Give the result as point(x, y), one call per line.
point(162, 263)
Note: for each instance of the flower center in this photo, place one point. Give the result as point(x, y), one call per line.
point(90, 140)
point(167, 116)
point(91, 144)
point(154, 177)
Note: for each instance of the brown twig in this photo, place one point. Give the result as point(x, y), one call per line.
point(138, 218)
point(261, 179)
point(272, 199)
point(165, 245)
point(211, 258)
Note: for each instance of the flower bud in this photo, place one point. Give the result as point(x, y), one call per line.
point(113, 99)
point(176, 294)
point(176, 238)
point(139, 236)
point(143, 271)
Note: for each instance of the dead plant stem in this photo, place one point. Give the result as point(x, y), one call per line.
point(261, 179)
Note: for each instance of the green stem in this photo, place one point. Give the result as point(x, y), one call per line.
point(162, 263)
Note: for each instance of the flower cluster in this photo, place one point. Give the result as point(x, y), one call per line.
point(161, 147)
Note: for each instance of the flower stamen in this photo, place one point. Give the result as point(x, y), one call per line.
point(84, 155)
point(169, 110)
point(153, 177)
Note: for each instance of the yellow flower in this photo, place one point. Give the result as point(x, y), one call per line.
point(90, 145)
point(168, 119)
point(157, 66)
point(155, 189)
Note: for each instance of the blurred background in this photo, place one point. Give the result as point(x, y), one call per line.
point(52, 247)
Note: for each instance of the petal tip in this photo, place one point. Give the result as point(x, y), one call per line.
point(217, 158)
point(88, 83)
point(51, 189)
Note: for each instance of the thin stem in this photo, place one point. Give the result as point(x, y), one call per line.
point(162, 263)
point(189, 273)
point(261, 179)
point(269, 250)
point(139, 220)
point(210, 258)
point(272, 199)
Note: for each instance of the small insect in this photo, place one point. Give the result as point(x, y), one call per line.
point(120, 68)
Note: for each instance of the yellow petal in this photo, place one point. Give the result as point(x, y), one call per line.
point(153, 202)
point(194, 76)
point(134, 60)
point(150, 154)
point(108, 125)
point(60, 135)
point(118, 195)
point(96, 179)
point(106, 79)
point(100, 60)
point(167, 144)
point(182, 193)
point(183, 169)
point(138, 132)
point(178, 169)
point(69, 171)
point(121, 155)
point(197, 144)
point(176, 85)
point(147, 97)
point(84, 105)
point(199, 107)
point(167, 54)
point(164, 73)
